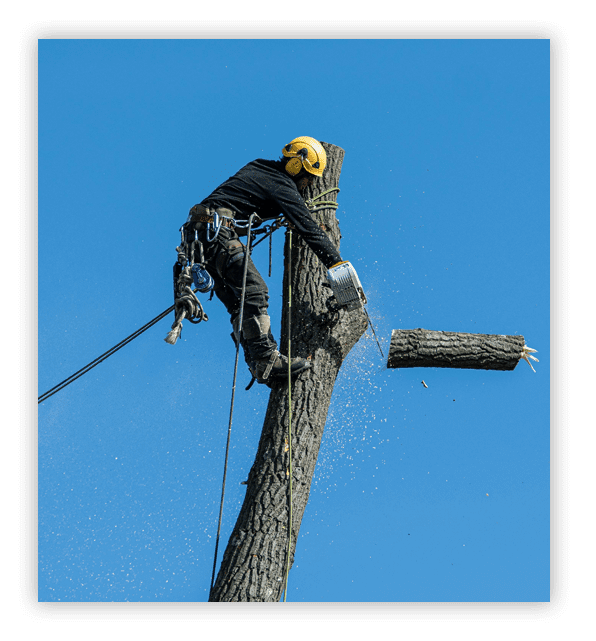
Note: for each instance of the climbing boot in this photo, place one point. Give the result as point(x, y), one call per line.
point(275, 368)
point(264, 360)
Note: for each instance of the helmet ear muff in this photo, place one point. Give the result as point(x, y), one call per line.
point(305, 153)
point(294, 166)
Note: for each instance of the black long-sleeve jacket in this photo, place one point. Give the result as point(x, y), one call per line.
point(262, 186)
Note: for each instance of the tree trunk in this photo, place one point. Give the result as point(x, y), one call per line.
point(427, 348)
point(254, 563)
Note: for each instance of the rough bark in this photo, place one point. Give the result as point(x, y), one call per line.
point(253, 566)
point(427, 348)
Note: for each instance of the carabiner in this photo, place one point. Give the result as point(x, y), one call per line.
point(213, 226)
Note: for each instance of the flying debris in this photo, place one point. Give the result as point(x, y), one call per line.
point(425, 385)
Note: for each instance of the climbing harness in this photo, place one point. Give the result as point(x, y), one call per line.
point(240, 316)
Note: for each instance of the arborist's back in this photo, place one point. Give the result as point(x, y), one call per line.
point(264, 187)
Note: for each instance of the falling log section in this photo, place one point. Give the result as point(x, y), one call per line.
point(428, 348)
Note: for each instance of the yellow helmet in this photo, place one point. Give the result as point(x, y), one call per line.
point(305, 152)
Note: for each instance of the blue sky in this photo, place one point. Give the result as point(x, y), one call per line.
point(420, 494)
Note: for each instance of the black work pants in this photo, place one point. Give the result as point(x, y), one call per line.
point(224, 260)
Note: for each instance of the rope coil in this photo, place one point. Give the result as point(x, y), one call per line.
point(323, 204)
point(186, 305)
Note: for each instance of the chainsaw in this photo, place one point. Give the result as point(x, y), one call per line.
point(347, 292)
point(346, 286)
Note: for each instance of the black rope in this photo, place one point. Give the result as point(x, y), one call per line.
point(240, 318)
point(373, 331)
point(99, 359)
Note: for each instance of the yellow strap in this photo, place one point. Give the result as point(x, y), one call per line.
point(289, 407)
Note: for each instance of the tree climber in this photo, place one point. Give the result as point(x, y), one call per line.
point(269, 188)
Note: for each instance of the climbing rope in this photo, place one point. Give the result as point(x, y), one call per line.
point(102, 357)
point(289, 407)
point(240, 317)
point(323, 204)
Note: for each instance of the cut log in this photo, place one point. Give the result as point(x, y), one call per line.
point(428, 348)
